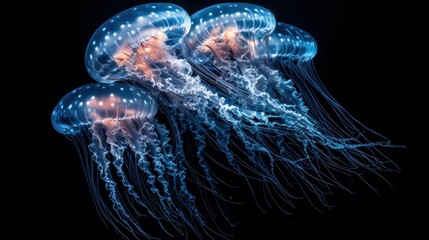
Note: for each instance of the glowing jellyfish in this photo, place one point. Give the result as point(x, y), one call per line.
point(116, 124)
point(265, 71)
point(229, 77)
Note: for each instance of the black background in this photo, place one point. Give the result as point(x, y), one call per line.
point(363, 50)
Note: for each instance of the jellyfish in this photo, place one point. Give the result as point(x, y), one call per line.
point(265, 69)
point(229, 86)
point(114, 128)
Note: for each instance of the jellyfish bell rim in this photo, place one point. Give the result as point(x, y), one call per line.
point(112, 25)
point(66, 129)
point(77, 129)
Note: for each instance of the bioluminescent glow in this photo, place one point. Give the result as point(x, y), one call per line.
point(230, 81)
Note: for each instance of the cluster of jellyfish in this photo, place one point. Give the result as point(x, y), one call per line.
point(229, 78)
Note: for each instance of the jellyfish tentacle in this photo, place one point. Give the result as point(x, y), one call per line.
point(161, 133)
point(201, 145)
point(174, 175)
point(153, 143)
point(179, 130)
point(169, 161)
point(184, 122)
point(167, 150)
point(138, 143)
point(158, 157)
point(142, 153)
point(117, 136)
point(99, 151)
point(200, 138)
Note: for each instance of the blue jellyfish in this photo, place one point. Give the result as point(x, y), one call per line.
point(264, 70)
point(114, 128)
point(228, 80)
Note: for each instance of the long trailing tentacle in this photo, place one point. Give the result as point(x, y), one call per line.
point(157, 135)
point(99, 149)
point(118, 137)
point(138, 142)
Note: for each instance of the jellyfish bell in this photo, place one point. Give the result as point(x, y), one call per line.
point(127, 43)
point(288, 42)
point(103, 103)
point(226, 28)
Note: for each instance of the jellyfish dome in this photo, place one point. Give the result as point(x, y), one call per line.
point(291, 43)
point(140, 29)
point(221, 24)
point(101, 102)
